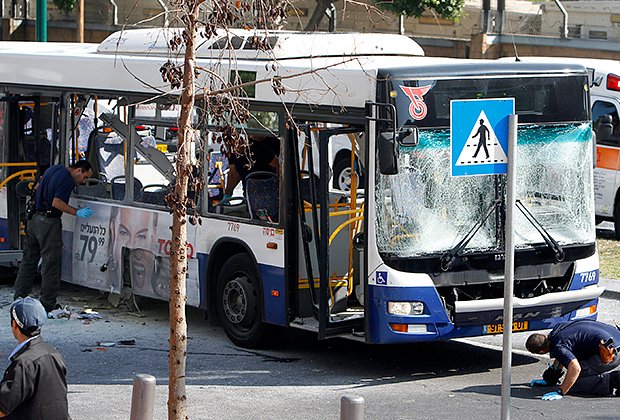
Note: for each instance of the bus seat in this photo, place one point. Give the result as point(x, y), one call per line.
point(154, 194)
point(263, 196)
point(118, 188)
point(93, 187)
point(605, 127)
point(110, 155)
point(24, 188)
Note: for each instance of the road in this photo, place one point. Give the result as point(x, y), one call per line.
point(300, 377)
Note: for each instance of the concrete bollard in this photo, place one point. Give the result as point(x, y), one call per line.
point(142, 397)
point(351, 408)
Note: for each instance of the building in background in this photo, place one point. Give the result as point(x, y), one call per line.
point(577, 28)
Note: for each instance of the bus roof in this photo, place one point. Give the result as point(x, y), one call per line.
point(345, 76)
point(600, 64)
point(252, 44)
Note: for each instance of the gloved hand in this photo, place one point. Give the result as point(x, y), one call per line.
point(552, 396)
point(226, 198)
point(84, 212)
point(538, 382)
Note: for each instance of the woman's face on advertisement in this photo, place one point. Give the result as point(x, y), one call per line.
point(135, 229)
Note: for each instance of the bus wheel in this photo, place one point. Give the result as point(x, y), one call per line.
point(239, 304)
point(342, 174)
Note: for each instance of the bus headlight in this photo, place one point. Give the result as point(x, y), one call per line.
point(405, 308)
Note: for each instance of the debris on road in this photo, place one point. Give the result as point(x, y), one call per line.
point(89, 314)
point(59, 313)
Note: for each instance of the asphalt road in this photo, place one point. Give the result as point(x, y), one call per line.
point(300, 377)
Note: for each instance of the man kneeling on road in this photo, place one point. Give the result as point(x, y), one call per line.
point(34, 386)
point(588, 351)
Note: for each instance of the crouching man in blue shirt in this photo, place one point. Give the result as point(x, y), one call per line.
point(576, 346)
point(34, 386)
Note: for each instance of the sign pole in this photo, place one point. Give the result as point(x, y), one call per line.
point(509, 266)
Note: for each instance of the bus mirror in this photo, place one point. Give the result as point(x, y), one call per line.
point(408, 136)
point(387, 154)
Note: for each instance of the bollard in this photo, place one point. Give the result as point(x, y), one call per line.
point(142, 397)
point(351, 408)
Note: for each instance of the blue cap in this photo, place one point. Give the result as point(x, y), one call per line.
point(28, 314)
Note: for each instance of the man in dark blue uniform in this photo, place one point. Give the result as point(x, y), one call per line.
point(34, 386)
point(44, 232)
point(576, 346)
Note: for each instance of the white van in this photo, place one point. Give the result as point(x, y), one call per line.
point(605, 102)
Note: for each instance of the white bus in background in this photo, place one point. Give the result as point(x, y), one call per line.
point(604, 78)
point(407, 254)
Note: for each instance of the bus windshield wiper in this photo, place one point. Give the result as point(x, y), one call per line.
point(552, 243)
point(448, 257)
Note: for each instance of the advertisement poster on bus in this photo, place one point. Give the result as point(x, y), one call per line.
point(144, 236)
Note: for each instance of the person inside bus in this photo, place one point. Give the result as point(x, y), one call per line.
point(264, 151)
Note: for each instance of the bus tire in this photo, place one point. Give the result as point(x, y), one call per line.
point(239, 303)
point(342, 174)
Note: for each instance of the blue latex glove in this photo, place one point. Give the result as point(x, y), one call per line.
point(538, 382)
point(552, 396)
point(226, 198)
point(84, 212)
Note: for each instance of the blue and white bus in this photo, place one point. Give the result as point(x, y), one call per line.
point(404, 253)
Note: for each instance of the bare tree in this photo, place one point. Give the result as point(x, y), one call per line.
point(177, 399)
point(223, 103)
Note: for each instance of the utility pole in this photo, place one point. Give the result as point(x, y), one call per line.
point(80, 21)
point(41, 28)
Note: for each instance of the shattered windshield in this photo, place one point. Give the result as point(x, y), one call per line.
point(424, 211)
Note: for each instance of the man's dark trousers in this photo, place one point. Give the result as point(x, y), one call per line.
point(43, 240)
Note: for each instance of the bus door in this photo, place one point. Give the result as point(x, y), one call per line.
point(28, 131)
point(328, 262)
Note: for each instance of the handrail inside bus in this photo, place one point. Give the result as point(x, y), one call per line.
point(17, 164)
point(25, 174)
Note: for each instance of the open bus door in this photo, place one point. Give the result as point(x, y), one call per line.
point(24, 155)
point(329, 260)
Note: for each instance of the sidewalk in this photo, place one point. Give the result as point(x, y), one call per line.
point(612, 288)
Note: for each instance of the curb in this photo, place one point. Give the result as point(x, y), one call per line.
point(611, 294)
point(612, 288)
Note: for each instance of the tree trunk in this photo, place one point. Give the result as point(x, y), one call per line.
point(317, 15)
point(177, 399)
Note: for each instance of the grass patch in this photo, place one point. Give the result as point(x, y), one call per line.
point(609, 255)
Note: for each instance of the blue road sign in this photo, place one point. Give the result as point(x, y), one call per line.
point(479, 136)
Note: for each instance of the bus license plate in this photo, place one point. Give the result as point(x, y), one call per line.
point(499, 328)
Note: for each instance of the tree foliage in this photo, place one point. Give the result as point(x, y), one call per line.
point(65, 5)
point(447, 9)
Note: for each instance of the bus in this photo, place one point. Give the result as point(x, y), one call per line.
point(405, 253)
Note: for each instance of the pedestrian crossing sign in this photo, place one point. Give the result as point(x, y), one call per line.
point(479, 136)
